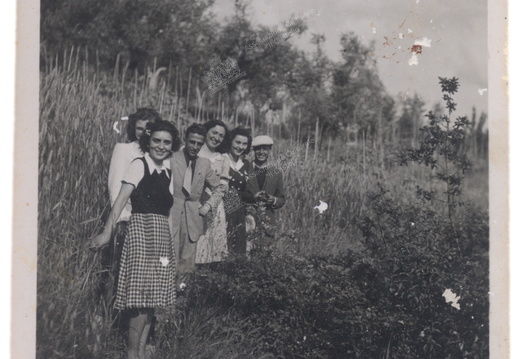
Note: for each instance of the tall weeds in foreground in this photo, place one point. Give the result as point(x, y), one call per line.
point(78, 109)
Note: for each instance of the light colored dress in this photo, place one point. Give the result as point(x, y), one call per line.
point(212, 245)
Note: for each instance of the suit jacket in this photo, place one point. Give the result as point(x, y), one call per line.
point(273, 185)
point(189, 207)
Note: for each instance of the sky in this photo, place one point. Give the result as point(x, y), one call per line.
point(456, 31)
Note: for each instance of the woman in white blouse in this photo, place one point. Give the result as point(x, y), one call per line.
point(122, 156)
point(147, 275)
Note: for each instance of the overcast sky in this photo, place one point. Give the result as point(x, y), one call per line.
point(457, 30)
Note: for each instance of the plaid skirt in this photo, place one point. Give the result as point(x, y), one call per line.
point(147, 269)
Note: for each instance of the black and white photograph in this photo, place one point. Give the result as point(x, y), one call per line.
point(235, 179)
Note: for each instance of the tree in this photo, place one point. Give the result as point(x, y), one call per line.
point(441, 149)
point(357, 91)
point(138, 31)
point(411, 115)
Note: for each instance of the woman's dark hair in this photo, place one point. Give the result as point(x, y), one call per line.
point(151, 127)
point(142, 114)
point(222, 148)
point(241, 131)
point(196, 128)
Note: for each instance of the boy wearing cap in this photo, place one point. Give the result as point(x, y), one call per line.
point(265, 185)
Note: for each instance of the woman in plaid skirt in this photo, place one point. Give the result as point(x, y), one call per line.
point(147, 271)
point(122, 156)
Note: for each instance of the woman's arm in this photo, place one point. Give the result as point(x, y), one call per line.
point(218, 189)
point(116, 171)
point(103, 238)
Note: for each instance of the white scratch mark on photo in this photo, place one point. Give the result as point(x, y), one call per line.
point(115, 127)
point(425, 42)
point(164, 261)
point(451, 298)
point(413, 60)
point(322, 207)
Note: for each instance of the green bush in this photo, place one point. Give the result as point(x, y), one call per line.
point(386, 300)
point(416, 254)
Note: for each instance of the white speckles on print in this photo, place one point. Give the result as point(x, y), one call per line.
point(413, 60)
point(164, 261)
point(451, 298)
point(482, 91)
point(401, 36)
point(425, 42)
point(322, 207)
point(115, 127)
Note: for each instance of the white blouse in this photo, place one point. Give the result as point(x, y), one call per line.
point(219, 162)
point(123, 155)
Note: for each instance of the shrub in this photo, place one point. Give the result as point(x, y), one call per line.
point(416, 254)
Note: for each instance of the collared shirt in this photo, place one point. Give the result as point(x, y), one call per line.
point(235, 165)
point(193, 162)
point(135, 172)
point(154, 167)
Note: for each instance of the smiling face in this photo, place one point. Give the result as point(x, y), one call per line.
point(160, 146)
point(238, 146)
point(262, 154)
point(193, 145)
point(140, 125)
point(214, 137)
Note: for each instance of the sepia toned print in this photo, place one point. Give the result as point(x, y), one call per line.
point(365, 213)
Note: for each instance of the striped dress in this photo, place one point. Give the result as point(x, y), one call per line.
point(147, 272)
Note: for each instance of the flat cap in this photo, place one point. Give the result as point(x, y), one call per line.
point(262, 141)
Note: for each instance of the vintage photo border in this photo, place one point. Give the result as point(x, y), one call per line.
point(25, 190)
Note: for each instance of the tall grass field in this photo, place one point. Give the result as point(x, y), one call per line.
point(363, 279)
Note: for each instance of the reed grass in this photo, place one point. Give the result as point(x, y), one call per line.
point(78, 109)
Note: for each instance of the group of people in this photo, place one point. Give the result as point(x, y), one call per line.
point(175, 207)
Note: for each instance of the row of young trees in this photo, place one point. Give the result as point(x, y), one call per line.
point(301, 88)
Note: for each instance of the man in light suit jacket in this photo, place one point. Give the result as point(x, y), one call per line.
point(265, 186)
point(186, 222)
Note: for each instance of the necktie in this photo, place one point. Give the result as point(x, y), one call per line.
point(186, 185)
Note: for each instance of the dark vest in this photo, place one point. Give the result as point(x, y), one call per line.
point(152, 194)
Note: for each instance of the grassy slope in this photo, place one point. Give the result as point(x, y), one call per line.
point(76, 140)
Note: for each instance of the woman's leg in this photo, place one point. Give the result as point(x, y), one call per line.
point(138, 321)
point(144, 335)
